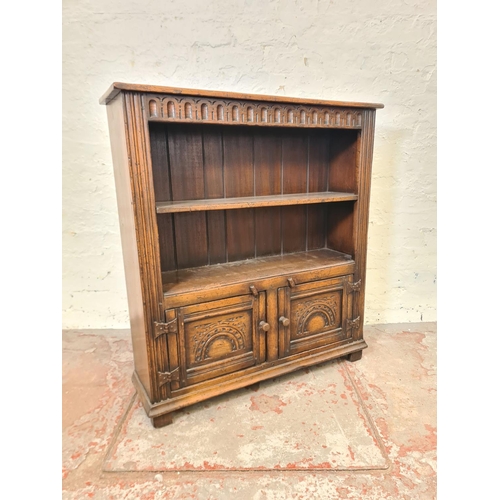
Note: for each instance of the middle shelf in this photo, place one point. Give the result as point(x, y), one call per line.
point(166, 207)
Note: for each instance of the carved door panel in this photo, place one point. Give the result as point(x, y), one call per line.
point(220, 337)
point(314, 315)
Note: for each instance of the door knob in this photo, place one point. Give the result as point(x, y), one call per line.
point(284, 321)
point(264, 326)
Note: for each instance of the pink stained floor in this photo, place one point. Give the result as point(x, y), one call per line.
point(338, 430)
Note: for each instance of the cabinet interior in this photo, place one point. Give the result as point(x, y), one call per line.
point(257, 167)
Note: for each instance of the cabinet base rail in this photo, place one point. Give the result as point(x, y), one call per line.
point(160, 413)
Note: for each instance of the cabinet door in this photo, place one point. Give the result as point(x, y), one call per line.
point(314, 315)
point(220, 337)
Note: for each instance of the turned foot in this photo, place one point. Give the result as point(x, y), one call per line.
point(162, 420)
point(355, 356)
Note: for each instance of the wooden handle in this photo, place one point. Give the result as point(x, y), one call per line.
point(264, 326)
point(254, 290)
point(284, 321)
point(291, 282)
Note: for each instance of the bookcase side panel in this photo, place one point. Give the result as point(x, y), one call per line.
point(121, 167)
point(146, 229)
point(365, 157)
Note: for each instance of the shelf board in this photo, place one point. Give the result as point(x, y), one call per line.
point(207, 277)
point(278, 200)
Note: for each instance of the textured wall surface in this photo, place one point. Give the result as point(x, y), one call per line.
point(343, 50)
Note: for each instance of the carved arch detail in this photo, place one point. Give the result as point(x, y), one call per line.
point(229, 330)
point(321, 308)
point(172, 108)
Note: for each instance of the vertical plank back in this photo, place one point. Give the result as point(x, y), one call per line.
point(239, 181)
point(213, 165)
point(295, 180)
point(344, 170)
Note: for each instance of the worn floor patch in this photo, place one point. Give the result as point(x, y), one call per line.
point(310, 419)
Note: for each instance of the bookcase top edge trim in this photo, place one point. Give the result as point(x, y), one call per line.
point(117, 87)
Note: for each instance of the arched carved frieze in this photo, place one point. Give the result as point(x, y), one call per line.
point(172, 108)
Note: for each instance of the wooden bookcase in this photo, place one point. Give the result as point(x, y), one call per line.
point(244, 227)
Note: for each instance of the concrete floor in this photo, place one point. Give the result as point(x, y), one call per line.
point(338, 430)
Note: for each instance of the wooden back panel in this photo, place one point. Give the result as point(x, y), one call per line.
point(192, 161)
point(214, 237)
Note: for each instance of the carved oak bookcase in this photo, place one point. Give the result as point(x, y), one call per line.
point(244, 228)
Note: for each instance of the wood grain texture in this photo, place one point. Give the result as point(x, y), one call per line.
point(135, 192)
point(256, 115)
point(272, 319)
point(344, 166)
point(261, 337)
point(182, 281)
point(249, 376)
point(340, 228)
point(295, 161)
point(267, 231)
point(166, 240)
point(191, 239)
point(220, 337)
point(267, 161)
point(145, 225)
point(318, 160)
point(116, 87)
point(213, 162)
point(276, 200)
point(167, 355)
point(294, 228)
point(240, 228)
point(360, 229)
point(238, 163)
point(354, 356)
point(316, 226)
point(316, 313)
point(124, 194)
point(216, 234)
point(160, 163)
point(244, 287)
point(162, 420)
point(172, 350)
point(185, 153)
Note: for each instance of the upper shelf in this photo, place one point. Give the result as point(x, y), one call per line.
point(166, 207)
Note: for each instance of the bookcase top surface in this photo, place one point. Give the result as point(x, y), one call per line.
point(117, 87)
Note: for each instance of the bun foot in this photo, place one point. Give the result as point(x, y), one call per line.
point(355, 356)
point(162, 420)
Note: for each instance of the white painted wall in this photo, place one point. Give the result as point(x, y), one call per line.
point(342, 50)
